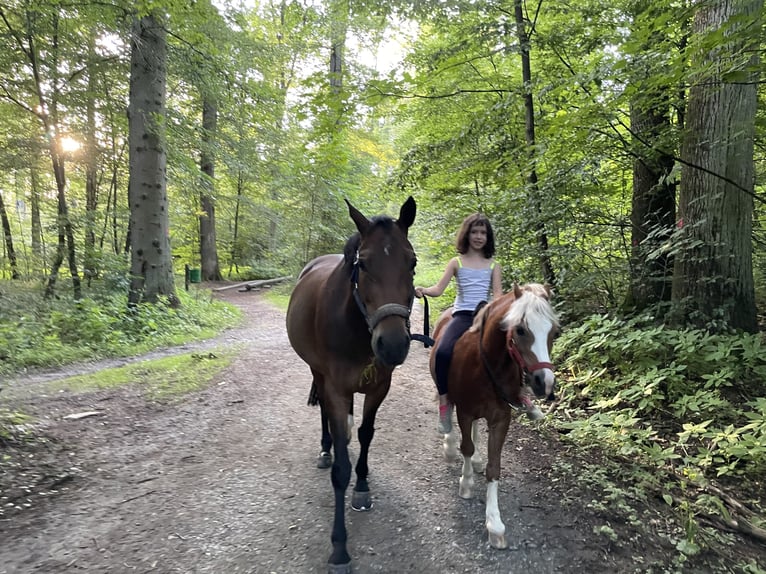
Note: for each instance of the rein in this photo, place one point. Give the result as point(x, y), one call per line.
point(424, 338)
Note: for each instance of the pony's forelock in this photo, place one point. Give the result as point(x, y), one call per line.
point(533, 301)
point(355, 241)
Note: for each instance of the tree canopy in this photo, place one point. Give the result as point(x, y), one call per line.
point(577, 128)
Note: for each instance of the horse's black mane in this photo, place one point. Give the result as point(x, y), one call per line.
point(352, 245)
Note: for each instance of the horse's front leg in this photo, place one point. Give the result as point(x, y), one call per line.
point(340, 560)
point(467, 448)
point(498, 429)
point(361, 498)
point(477, 461)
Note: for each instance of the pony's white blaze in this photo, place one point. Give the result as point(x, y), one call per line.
point(534, 311)
point(540, 326)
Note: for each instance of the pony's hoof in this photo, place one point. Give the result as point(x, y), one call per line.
point(361, 501)
point(339, 568)
point(535, 414)
point(497, 540)
point(324, 460)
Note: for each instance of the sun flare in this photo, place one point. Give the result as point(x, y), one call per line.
point(69, 144)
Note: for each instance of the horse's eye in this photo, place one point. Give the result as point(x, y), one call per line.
point(521, 331)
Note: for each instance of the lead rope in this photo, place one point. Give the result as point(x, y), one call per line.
point(424, 338)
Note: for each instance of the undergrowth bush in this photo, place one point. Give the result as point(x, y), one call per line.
point(686, 404)
point(35, 332)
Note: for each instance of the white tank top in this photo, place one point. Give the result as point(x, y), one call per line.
point(473, 286)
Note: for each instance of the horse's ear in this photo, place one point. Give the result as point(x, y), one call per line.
point(407, 214)
point(517, 292)
point(362, 223)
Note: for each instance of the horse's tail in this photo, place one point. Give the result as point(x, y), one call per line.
point(313, 396)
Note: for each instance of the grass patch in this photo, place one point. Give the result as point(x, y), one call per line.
point(279, 295)
point(160, 379)
point(39, 333)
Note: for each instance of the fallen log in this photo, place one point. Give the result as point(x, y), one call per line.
point(250, 285)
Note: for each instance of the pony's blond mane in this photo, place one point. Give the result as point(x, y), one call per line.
point(478, 319)
point(534, 299)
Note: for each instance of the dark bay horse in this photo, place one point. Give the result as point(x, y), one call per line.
point(508, 344)
point(348, 319)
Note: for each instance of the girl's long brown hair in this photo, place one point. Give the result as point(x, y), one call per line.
point(464, 234)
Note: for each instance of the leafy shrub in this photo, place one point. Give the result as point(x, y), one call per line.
point(672, 410)
point(668, 395)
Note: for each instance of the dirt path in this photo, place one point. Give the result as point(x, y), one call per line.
point(225, 481)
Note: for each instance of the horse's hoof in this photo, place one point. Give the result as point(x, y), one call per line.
point(324, 460)
point(497, 540)
point(361, 501)
point(339, 568)
point(466, 489)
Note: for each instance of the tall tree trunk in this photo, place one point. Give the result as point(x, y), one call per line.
point(236, 251)
point(38, 247)
point(49, 116)
point(91, 164)
point(713, 280)
point(8, 239)
point(151, 265)
point(546, 266)
point(207, 236)
point(653, 212)
point(339, 10)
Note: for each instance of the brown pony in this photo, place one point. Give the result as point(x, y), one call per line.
point(348, 319)
point(508, 345)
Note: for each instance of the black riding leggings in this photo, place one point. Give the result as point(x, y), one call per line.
point(461, 321)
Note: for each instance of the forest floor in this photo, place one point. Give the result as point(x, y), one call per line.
point(224, 481)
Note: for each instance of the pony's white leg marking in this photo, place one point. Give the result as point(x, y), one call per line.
point(495, 526)
point(350, 427)
point(466, 479)
point(450, 445)
point(477, 461)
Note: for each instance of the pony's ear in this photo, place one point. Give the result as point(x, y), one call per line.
point(362, 223)
point(407, 214)
point(517, 292)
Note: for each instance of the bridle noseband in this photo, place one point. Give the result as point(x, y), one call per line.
point(516, 357)
point(385, 310)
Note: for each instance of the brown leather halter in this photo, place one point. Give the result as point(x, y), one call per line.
point(516, 357)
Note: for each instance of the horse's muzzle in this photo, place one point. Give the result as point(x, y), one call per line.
point(543, 383)
point(390, 346)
